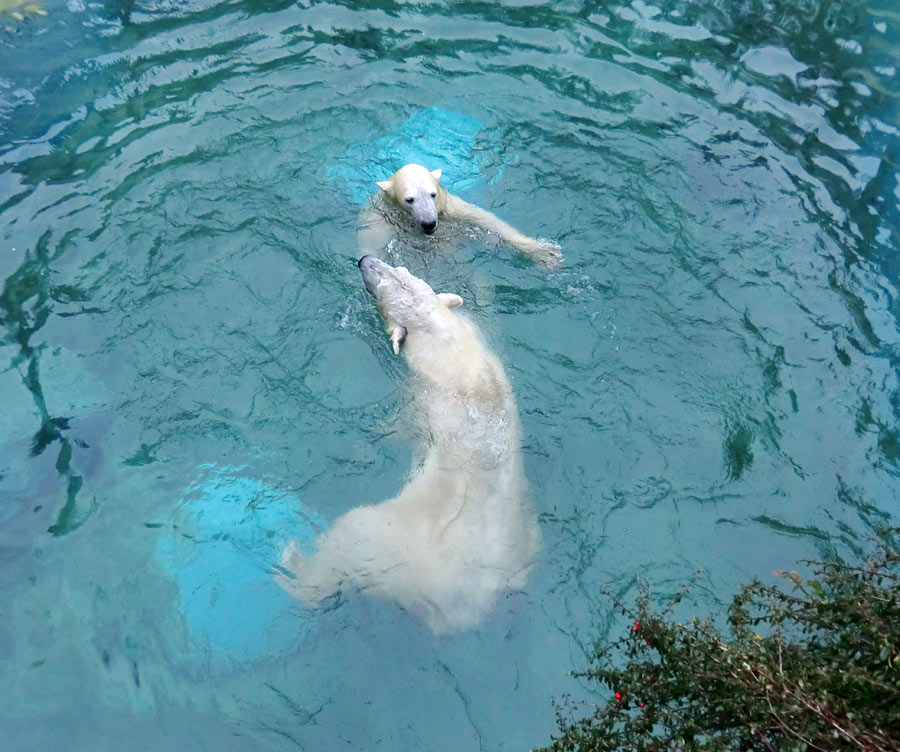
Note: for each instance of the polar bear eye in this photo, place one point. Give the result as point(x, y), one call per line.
point(434, 194)
point(410, 200)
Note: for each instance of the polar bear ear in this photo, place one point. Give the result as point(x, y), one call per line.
point(449, 299)
point(398, 337)
point(436, 174)
point(385, 185)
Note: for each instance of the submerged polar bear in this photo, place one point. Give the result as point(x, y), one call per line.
point(460, 532)
point(419, 191)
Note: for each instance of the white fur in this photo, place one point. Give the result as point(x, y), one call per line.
point(460, 532)
point(417, 191)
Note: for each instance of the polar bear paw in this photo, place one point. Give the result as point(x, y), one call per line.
point(544, 252)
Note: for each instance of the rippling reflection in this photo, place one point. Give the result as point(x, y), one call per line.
point(710, 381)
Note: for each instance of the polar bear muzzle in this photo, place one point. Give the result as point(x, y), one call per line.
point(369, 266)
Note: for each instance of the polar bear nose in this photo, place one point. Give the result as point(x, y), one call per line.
point(428, 227)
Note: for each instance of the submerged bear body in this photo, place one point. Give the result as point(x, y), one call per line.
point(461, 532)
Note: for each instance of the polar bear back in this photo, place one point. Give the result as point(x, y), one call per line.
point(460, 532)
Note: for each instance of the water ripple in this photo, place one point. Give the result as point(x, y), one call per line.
point(709, 382)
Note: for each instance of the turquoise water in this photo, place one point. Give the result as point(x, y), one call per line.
point(190, 368)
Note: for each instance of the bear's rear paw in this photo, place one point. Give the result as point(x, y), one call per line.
point(299, 576)
point(291, 557)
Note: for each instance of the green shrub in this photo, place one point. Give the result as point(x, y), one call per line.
point(813, 665)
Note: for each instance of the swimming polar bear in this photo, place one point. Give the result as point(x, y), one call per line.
point(461, 532)
point(419, 192)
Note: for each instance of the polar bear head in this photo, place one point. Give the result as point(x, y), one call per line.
point(407, 303)
point(419, 191)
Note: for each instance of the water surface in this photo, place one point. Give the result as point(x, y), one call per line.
point(709, 383)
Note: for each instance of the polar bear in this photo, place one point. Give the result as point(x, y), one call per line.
point(461, 531)
point(419, 192)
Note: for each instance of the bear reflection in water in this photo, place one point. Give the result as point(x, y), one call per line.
point(461, 531)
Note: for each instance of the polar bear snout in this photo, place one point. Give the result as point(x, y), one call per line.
point(369, 267)
point(424, 212)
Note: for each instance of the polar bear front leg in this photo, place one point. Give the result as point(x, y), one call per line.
point(543, 252)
